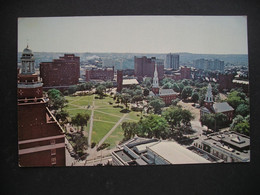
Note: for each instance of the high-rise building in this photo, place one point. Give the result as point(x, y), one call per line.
point(144, 67)
point(41, 140)
point(172, 61)
point(60, 73)
point(206, 64)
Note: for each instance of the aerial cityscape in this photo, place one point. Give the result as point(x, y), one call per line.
point(132, 90)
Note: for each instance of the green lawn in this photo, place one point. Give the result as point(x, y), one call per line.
point(100, 129)
point(115, 137)
point(105, 116)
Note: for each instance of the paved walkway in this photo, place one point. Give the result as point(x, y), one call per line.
point(91, 122)
point(111, 130)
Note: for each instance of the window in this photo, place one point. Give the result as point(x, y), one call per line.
point(53, 160)
point(52, 141)
point(53, 151)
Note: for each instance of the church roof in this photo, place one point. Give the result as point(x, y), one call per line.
point(163, 92)
point(222, 107)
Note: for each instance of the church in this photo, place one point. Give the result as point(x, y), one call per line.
point(166, 94)
point(41, 139)
point(212, 107)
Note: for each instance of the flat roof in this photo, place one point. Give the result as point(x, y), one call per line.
point(130, 82)
point(123, 155)
point(241, 82)
point(176, 154)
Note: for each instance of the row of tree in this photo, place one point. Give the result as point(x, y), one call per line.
point(164, 126)
point(240, 102)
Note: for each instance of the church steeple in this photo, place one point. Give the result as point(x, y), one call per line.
point(155, 87)
point(155, 77)
point(208, 101)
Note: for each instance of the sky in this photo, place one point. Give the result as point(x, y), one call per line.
point(135, 34)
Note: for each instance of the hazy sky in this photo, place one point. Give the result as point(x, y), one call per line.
point(135, 34)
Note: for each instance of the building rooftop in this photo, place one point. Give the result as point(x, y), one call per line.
point(222, 107)
point(241, 82)
point(176, 154)
point(166, 92)
point(130, 82)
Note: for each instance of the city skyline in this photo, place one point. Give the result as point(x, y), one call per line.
point(135, 34)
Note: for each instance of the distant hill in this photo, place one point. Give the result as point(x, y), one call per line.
point(127, 59)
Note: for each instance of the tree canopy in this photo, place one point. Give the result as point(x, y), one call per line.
point(80, 120)
point(157, 105)
point(56, 99)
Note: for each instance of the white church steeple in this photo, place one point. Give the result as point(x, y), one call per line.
point(155, 77)
point(209, 96)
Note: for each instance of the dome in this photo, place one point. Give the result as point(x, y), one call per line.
point(27, 51)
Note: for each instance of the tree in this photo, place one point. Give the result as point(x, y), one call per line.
point(185, 82)
point(195, 97)
point(153, 126)
point(129, 129)
point(88, 85)
point(157, 105)
point(208, 120)
point(235, 98)
point(176, 87)
point(137, 98)
point(167, 85)
point(243, 110)
point(62, 115)
point(241, 124)
point(80, 120)
point(175, 101)
point(214, 121)
point(173, 116)
point(100, 91)
point(181, 86)
point(146, 91)
point(56, 99)
point(186, 117)
point(72, 89)
point(81, 143)
point(186, 92)
point(125, 99)
point(109, 85)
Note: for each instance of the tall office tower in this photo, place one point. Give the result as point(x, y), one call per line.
point(144, 67)
point(41, 140)
point(172, 61)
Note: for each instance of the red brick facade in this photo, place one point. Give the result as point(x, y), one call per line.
point(225, 81)
point(185, 72)
point(106, 74)
point(119, 80)
point(168, 98)
point(64, 71)
point(41, 140)
point(145, 67)
point(39, 135)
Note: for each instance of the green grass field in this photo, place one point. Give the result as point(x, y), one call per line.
point(106, 116)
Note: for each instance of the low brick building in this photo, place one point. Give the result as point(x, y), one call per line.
point(105, 74)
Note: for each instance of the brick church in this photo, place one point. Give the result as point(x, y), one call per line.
point(215, 107)
point(41, 140)
point(166, 94)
